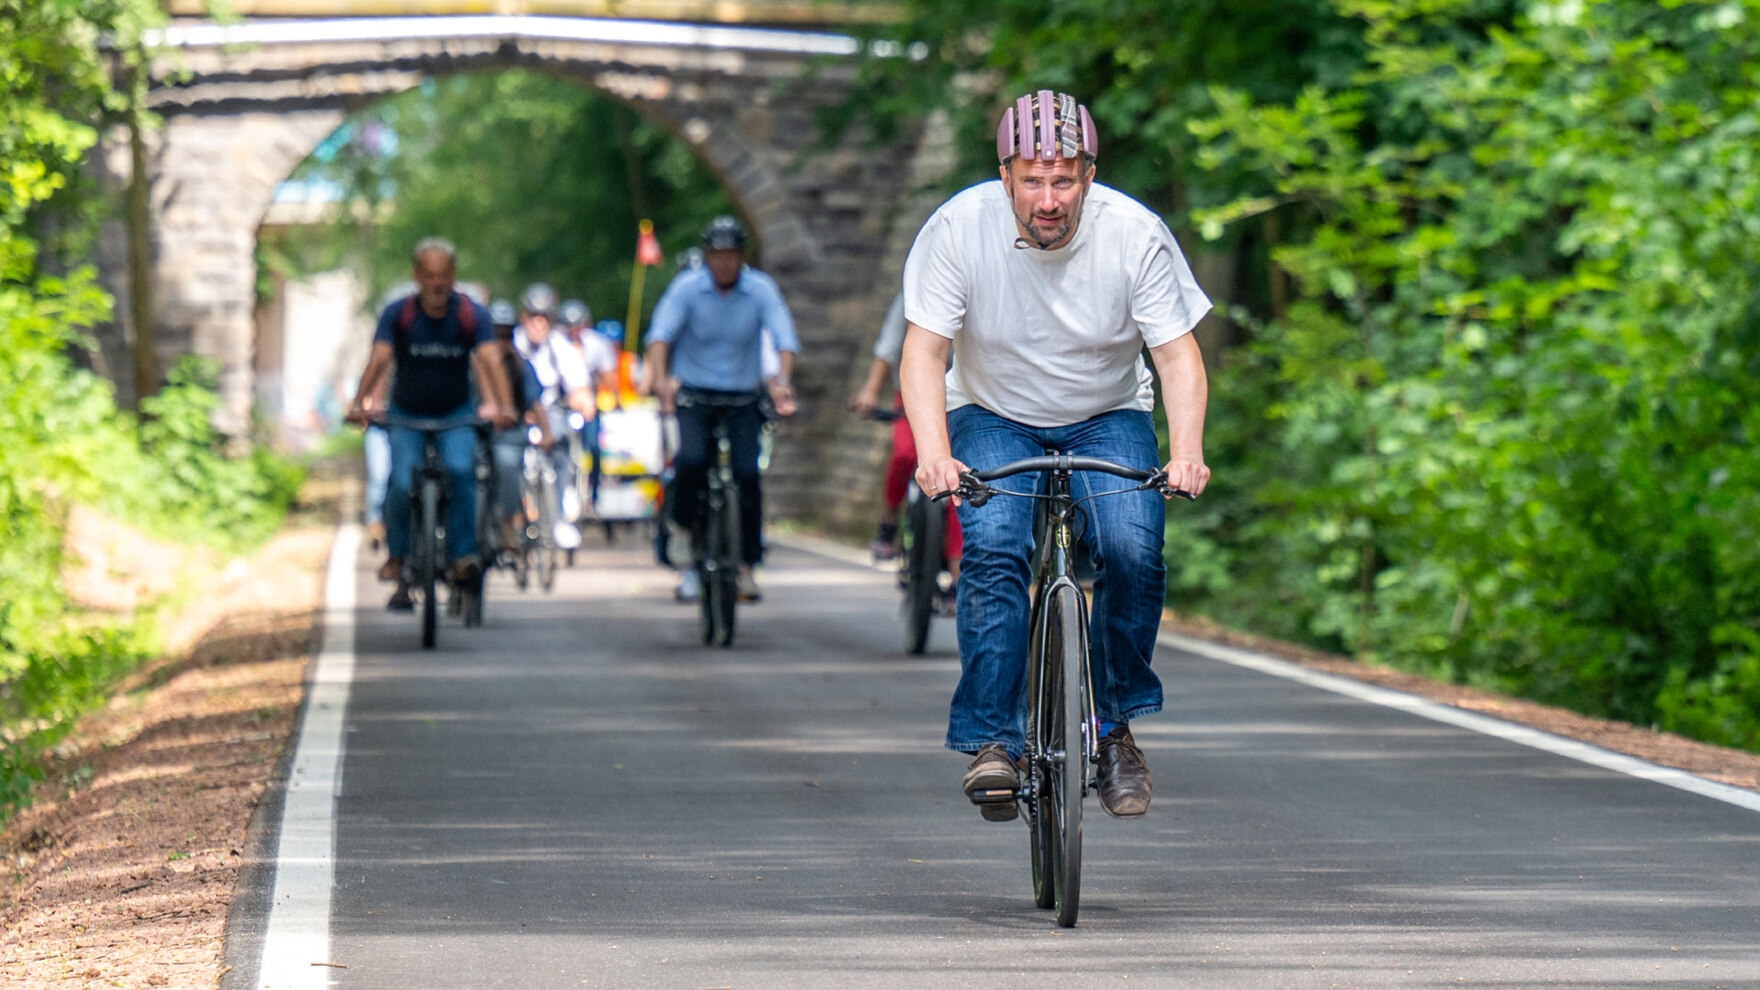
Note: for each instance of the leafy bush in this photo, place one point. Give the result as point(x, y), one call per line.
point(1509, 433)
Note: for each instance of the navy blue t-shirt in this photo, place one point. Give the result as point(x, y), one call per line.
point(433, 358)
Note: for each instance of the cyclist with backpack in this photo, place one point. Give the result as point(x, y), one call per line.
point(436, 337)
point(1046, 288)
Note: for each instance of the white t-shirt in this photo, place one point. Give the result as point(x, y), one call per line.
point(1050, 338)
point(558, 364)
point(598, 353)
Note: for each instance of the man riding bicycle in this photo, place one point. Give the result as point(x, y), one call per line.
point(901, 464)
point(1052, 286)
point(509, 445)
point(436, 338)
point(566, 386)
point(707, 341)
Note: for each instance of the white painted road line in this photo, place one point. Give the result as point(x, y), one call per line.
point(296, 944)
point(1485, 724)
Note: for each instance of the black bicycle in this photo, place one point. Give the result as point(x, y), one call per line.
point(1063, 738)
point(715, 539)
point(429, 498)
point(540, 499)
point(922, 557)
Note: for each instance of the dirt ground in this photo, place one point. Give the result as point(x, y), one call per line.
point(122, 873)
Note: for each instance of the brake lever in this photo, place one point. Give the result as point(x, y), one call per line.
point(973, 491)
point(1158, 482)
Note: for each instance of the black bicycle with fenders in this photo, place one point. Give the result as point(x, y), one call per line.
point(715, 539)
point(429, 498)
point(1062, 747)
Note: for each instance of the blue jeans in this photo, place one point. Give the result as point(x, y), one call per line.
point(457, 448)
point(509, 450)
point(1125, 537)
point(378, 455)
point(697, 454)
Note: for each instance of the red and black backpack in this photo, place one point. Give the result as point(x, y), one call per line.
point(467, 320)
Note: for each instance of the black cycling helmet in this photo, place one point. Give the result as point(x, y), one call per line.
point(502, 313)
point(724, 233)
point(575, 313)
point(538, 299)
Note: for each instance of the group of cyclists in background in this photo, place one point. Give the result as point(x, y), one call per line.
point(1038, 312)
point(527, 383)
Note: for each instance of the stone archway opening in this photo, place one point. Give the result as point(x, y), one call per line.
point(536, 177)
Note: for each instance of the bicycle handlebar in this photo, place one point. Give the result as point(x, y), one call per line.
point(974, 487)
point(431, 424)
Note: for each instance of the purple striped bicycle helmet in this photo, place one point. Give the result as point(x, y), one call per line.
point(1046, 126)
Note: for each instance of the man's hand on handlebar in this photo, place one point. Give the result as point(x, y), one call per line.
point(864, 401)
point(493, 412)
point(782, 397)
point(363, 411)
point(1188, 474)
point(940, 474)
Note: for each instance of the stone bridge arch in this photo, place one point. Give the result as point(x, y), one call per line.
point(242, 106)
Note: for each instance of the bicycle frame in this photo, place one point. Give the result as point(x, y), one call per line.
point(1054, 568)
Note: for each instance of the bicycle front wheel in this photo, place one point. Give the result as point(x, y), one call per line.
point(922, 585)
point(1067, 638)
point(721, 568)
point(546, 535)
point(428, 559)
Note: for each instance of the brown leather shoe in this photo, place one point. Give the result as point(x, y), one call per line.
point(994, 771)
point(1124, 775)
point(392, 570)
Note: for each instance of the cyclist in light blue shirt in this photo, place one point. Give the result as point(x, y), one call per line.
point(706, 345)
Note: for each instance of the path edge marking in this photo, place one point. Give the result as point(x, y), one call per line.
point(1488, 725)
point(296, 940)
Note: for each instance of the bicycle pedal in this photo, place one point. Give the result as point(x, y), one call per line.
point(998, 811)
point(995, 795)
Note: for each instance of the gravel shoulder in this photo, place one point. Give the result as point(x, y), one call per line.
point(122, 873)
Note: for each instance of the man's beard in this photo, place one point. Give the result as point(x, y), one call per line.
point(1042, 239)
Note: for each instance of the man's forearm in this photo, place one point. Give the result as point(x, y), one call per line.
point(923, 383)
point(1185, 393)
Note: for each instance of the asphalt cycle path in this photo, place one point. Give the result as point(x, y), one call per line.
point(579, 794)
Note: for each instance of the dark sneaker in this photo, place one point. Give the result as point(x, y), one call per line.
point(990, 782)
point(466, 572)
point(748, 586)
point(1124, 775)
point(400, 600)
point(884, 546)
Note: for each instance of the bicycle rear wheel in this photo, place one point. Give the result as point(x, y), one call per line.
point(1065, 640)
point(428, 559)
point(924, 525)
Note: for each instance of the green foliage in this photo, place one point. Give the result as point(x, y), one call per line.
point(1143, 67)
point(534, 178)
point(1510, 434)
point(65, 440)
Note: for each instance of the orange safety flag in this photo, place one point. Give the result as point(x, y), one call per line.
point(648, 246)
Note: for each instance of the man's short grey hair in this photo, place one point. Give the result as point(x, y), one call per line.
point(429, 245)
